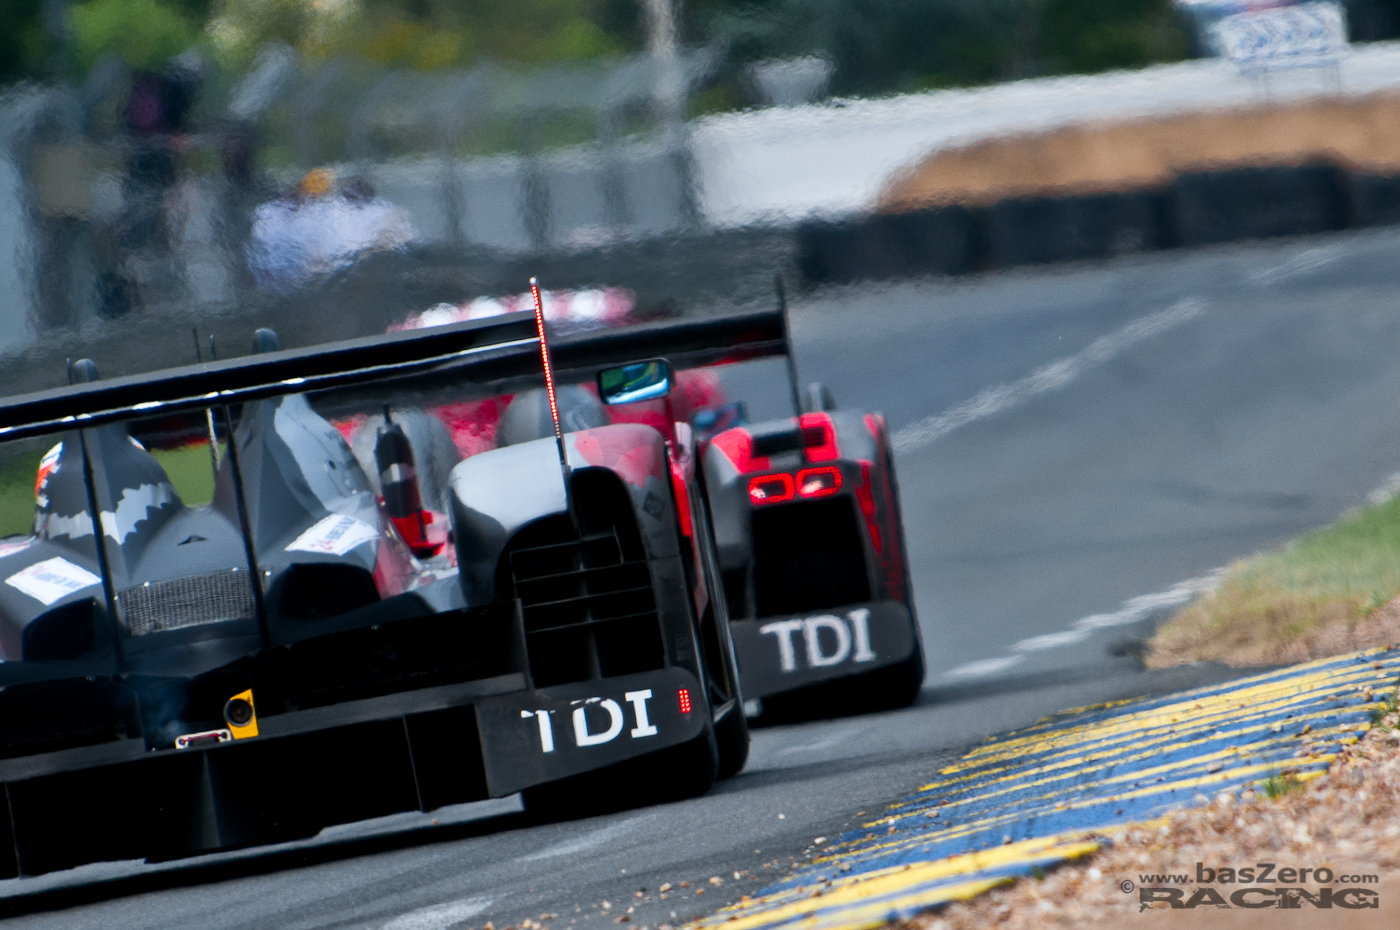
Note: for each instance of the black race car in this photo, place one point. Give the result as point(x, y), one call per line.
point(221, 629)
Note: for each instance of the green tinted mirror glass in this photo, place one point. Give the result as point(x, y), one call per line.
point(628, 384)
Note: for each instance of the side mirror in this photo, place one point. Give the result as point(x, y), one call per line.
point(711, 421)
point(628, 384)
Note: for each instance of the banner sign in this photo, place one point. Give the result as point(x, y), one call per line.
point(1293, 36)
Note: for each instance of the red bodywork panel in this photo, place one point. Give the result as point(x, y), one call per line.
point(828, 450)
point(737, 446)
point(628, 449)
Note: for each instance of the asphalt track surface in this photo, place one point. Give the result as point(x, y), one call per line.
point(1071, 438)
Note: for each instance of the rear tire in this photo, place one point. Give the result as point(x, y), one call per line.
point(732, 735)
point(888, 688)
point(903, 682)
point(732, 731)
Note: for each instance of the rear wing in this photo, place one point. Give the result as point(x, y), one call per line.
point(497, 348)
point(507, 342)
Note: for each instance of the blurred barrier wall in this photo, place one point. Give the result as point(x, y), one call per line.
point(1197, 208)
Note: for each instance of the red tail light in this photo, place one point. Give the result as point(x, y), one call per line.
point(771, 489)
point(819, 482)
point(684, 695)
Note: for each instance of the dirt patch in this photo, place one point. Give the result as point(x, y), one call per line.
point(1360, 133)
point(1348, 821)
point(1284, 632)
point(1329, 591)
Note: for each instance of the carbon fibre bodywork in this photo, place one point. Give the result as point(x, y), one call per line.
point(568, 630)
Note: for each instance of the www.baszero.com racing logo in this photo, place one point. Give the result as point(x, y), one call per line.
point(1155, 891)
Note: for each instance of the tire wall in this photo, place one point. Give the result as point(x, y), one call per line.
point(1194, 208)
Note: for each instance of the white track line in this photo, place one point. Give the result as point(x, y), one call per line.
point(1305, 261)
point(1133, 610)
point(1056, 375)
point(440, 916)
point(600, 837)
point(983, 668)
point(817, 745)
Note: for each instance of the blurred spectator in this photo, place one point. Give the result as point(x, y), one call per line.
point(318, 227)
point(137, 255)
point(61, 176)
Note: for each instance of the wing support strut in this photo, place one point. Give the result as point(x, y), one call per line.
point(787, 348)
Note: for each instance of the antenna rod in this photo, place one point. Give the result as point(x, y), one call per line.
point(787, 345)
point(549, 387)
point(208, 412)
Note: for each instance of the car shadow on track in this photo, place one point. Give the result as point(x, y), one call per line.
point(232, 866)
point(195, 872)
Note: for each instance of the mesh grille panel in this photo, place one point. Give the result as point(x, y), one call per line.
point(170, 605)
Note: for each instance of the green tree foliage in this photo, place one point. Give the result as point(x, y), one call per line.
point(428, 34)
point(239, 28)
point(883, 46)
point(145, 33)
point(1096, 35)
point(875, 45)
point(24, 46)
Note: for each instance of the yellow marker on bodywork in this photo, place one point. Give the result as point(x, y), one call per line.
point(241, 715)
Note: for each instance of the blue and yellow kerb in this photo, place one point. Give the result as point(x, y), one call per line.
point(1062, 788)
